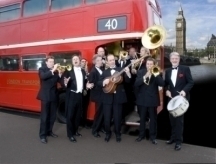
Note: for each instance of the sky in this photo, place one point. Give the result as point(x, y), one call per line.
point(200, 18)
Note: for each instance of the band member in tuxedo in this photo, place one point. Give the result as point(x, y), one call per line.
point(74, 81)
point(148, 99)
point(48, 95)
point(101, 52)
point(96, 94)
point(146, 53)
point(178, 80)
point(112, 102)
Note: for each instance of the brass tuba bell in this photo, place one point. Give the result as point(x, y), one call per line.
point(153, 37)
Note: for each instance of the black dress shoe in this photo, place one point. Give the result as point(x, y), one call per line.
point(96, 135)
point(103, 131)
point(72, 139)
point(170, 142)
point(118, 139)
point(78, 134)
point(139, 139)
point(154, 142)
point(43, 140)
point(178, 147)
point(53, 135)
point(107, 138)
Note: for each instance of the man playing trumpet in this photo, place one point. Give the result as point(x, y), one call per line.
point(147, 83)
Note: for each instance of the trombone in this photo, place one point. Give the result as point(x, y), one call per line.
point(155, 70)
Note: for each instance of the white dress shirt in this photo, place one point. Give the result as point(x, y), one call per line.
point(79, 79)
point(174, 76)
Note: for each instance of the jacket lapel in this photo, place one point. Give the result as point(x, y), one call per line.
point(73, 77)
point(84, 77)
point(169, 75)
point(177, 77)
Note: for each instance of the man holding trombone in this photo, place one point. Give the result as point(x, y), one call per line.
point(147, 82)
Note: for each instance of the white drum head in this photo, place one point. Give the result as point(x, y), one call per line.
point(174, 103)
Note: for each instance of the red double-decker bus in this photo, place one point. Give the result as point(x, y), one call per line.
point(30, 30)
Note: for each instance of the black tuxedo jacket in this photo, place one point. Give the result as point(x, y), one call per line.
point(48, 84)
point(96, 92)
point(184, 81)
point(120, 96)
point(148, 95)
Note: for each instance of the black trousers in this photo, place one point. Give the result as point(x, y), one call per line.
point(116, 110)
point(177, 124)
point(74, 112)
point(153, 121)
point(98, 118)
point(47, 117)
point(85, 101)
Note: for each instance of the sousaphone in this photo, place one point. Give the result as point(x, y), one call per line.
point(153, 38)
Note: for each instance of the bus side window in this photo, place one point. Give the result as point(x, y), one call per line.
point(35, 7)
point(64, 4)
point(64, 58)
point(9, 63)
point(32, 62)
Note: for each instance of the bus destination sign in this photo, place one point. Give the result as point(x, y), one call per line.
point(112, 24)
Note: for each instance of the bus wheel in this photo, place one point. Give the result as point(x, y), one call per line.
point(61, 109)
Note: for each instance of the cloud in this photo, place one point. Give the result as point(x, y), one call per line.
point(200, 21)
point(211, 1)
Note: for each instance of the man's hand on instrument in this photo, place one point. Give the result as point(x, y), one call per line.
point(54, 68)
point(168, 94)
point(105, 82)
point(133, 71)
point(89, 85)
point(127, 71)
point(66, 80)
point(182, 93)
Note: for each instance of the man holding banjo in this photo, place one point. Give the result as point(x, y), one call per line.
point(178, 81)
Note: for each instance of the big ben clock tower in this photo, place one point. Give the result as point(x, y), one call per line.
point(180, 33)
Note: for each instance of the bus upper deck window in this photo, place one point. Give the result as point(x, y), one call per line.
point(64, 4)
point(35, 7)
point(9, 63)
point(8, 13)
point(93, 1)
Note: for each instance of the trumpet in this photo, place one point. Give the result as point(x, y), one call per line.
point(63, 68)
point(123, 55)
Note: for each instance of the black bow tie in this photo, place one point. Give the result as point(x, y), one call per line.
point(174, 67)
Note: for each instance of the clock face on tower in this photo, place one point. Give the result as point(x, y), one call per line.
point(179, 24)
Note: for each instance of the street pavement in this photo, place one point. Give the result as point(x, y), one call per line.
point(20, 144)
